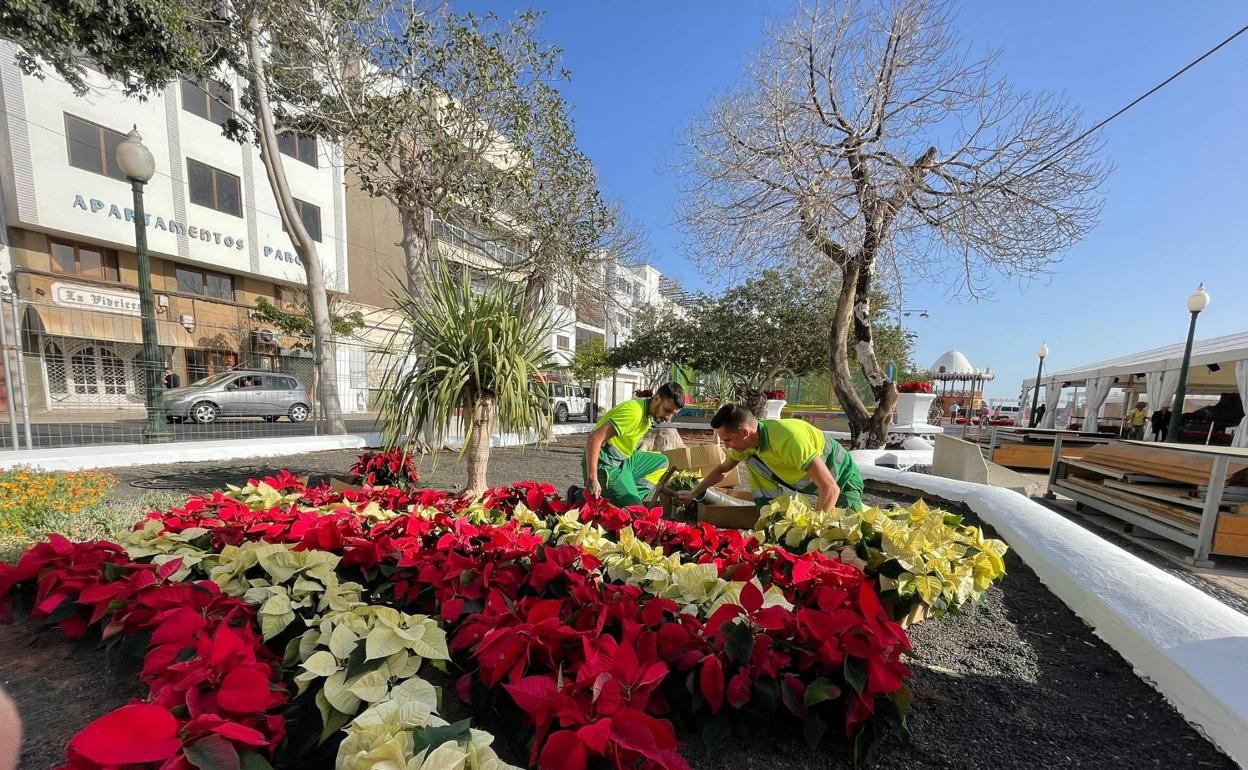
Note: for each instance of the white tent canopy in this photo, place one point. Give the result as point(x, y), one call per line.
point(1215, 368)
point(1222, 351)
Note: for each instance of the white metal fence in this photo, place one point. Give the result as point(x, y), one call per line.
point(76, 376)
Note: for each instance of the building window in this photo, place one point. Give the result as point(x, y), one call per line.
point(83, 260)
point(205, 284)
point(214, 188)
point(625, 321)
point(563, 343)
point(93, 147)
point(205, 363)
point(208, 99)
point(565, 299)
point(311, 216)
point(301, 147)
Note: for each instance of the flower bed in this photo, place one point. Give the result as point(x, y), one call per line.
point(29, 500)
point(600, 628)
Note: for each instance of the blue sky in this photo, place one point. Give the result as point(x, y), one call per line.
point(1176, 208)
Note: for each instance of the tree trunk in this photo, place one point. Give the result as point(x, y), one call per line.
point(477, 448)
point(842, 379)
point(534, 285)
point(305, 247)
point(419, 244)
point(882, 388)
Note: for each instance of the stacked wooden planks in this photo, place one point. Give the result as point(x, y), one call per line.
point(1163, 463)
point(1032, 448)
point(1165, 484)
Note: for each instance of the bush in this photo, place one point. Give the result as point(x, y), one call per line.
point(30, 500)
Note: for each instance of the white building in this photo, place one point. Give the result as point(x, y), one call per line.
point(213, 229)
point(590, 316)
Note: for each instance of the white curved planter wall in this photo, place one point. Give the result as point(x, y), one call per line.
point(1188, 645)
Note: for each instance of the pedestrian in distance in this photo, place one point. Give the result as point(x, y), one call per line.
point(1136, 419)
point(1161, 423)
point(172, 380)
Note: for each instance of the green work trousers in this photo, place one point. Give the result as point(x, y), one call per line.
point(629, 480)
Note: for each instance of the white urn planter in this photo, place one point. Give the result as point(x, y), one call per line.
point(774, 408)
point(912, 408)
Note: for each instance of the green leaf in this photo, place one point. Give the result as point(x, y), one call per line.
point(113, 571)
point(819, 691)
point(433, 737)
point(213, 753)
point(253, 761)
point(766, 693)
point(813, 729)
point(902, 700)
point(740, 644)
point(716, 730)
point(855, 674)
point(332, 720)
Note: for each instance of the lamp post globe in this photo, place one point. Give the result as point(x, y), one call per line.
point(1196, 303)
point(137, 163)
point(1199, 300)
point(134, 159)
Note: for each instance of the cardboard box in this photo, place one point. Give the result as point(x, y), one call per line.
point(705, 458)
point(731, 516)
point(337, 482)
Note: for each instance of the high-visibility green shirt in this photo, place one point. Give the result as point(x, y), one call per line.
point(631, 421)
point(788, 447)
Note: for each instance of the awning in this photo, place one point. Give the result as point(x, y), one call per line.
point(107, 327)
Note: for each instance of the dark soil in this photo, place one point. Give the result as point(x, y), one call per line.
point(59, 686)
point(1016, 682)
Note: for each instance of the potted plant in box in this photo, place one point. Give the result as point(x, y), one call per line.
point(914, 402)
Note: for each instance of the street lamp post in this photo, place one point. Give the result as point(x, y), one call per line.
point(135, 161)
point(1035, 394)
point(1195, 304)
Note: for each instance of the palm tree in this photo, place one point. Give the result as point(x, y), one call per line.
point(466, 357)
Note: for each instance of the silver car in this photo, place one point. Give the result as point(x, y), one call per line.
point(240, 393)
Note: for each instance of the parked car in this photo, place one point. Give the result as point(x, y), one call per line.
point(239, 393)
point(567, 401)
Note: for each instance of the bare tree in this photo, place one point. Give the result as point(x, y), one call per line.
point(865, 134)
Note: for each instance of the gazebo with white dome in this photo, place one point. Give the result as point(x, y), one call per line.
point(957, 381)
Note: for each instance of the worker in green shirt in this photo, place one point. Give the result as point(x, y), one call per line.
point(783, 458)
point(621, 474)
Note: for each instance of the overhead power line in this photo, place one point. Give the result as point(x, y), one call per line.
point(1139, 99)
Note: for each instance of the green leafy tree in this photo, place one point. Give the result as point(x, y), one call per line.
point(298, 322)
point(766, 328)
point(142, 44)
point(453, 117)
point(654, 345)
point(470, 359)
point(589, 363)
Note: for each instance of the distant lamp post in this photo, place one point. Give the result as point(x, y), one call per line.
point(1035, 394)
point(135, 161)
point(1195, 305)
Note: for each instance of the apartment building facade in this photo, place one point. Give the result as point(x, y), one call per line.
point(213, 229)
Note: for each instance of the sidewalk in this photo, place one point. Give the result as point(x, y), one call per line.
point(128, 455)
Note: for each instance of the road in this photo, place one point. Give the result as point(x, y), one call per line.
point(62, 434)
